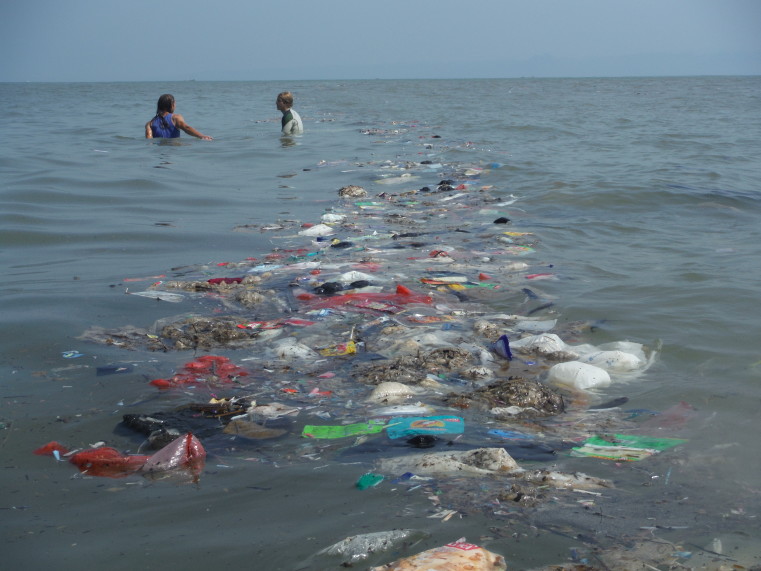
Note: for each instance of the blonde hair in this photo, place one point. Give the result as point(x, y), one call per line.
point(286, 97)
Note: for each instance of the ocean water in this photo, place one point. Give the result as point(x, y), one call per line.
point(644, 198)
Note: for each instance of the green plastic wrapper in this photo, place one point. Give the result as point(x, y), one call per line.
point(369, 480)
point(372, 427)
point(624, 447)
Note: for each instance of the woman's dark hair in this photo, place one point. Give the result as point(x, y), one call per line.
point(165, 103)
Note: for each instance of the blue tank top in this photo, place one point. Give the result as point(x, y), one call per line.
point(163, 127)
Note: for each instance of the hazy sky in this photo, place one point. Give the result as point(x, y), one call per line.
point(141, 40)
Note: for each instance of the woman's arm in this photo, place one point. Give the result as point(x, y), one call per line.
point(179, 122)
point(148, 130)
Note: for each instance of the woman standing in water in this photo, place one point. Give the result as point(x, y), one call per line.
point(167, 123)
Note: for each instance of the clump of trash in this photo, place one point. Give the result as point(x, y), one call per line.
point(375, 334)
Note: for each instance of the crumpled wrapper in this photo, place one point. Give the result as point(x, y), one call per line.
point(457, 556)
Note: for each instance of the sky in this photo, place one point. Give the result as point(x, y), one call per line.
point(231, 40)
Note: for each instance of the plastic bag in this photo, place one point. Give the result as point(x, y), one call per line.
point(578, 375)
point(456, 556)
point(391, 391)
point(480, 461)
point(614, 361)
point(413, 425)
point(290, 349)
point(185, 452)
point(318, 230)
point(359, 547)
point(541, 344)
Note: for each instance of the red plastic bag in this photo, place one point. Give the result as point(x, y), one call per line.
point(185, 453)
point(211, 370)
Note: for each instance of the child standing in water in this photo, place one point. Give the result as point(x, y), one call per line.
point(291, 123)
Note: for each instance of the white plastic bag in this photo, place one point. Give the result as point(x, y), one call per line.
point(541, 344)
point(291, 350)
point(318, 230)
point(332, 218)
point(614, 361)
point(578, 375)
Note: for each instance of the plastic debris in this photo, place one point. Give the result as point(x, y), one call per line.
point(627, 447)
point(352, 191)
point(209, 370)
point(348, 348)
point(578, 375)
point(562, 480)
point(502, 348)
point(113, 370)
point(614, 361)
point(159, 295)
point(673, 418)
point(185, 452)
point(330, 432)
point(332, 218)
point(536, 326)
point(413, 352)
point(402, 410)
point(248, 429)
point(455, 556)
point(71, 354)
point(358, 548)
point(385, 301)
point(543, 344)
point(438, 425)
point(318, 230)
point(369, 480)
point(510, 434)
point(290, 349)
point(480, 461)
point(390, 391)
